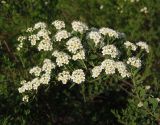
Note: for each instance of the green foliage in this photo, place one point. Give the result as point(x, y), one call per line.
point(65, 104)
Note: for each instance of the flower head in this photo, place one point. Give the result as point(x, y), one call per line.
point(78, 76)
point(143, 45)
point(130, 45)
point(109, 32)
point(136, 62)
point(96, 71)
point(62, 34)
point(58, 24)
point(74, 44)
point(95, 36)
point(110, 50)
point(79, 26)
point(64, 77)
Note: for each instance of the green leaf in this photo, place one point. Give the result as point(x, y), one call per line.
point(154, 103)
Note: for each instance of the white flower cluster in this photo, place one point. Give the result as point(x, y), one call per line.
point(45, 45)
point(30, 29)
point(144, 10)
point(74, 44)
point(37, 81)
point(64, 77)
point(48, 66)
point(130, 45)
point(42, 36)
point(40, 25)
point(136, 62)
point(122, 69)
point(21, 39)
point(58, 24)
point(25, 98)
point(78, 76)
point(74, 50)
point(95, 36)
point(110, 50)
point(62, 34)
point(96, 71)
point(109, 66)
point(35, 70)
point(78, 26)
point(79, 55)
point(143, 45)
point(33, 38)
point(109, 32)
point(61, 58)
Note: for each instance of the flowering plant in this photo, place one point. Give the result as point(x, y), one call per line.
point(80, 55)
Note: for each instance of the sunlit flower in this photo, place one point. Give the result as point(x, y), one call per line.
point(79, 26)
point(58, 24)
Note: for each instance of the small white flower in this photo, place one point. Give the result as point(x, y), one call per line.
point(109, 66)
point(33, 39)
point(79, 26)
point(74, 44)
point(122, 69)
point(79, 55)
point(96, 71)
point(30, 29)
point(95, 36)
point(147, 87)
point(35, 70)
point(109, 32)
point(140, 104)
point(101, 7)
point(61, 58)
point(136, 62)
point(144, 10)
point(21, 90)
point(41, 25)
point(62, 34)
point(158, 99)
point(45, 45)
point(45, 78)
point(110, 50)
point(43, 33)
point(3, 2)
point(64, 77)
point(78, 76)
point(58, 24)
point(48, 65)
point(21, 39)
point(130, 45)
point(25, 98)
point(143, 45)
